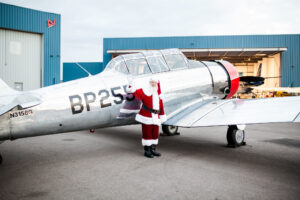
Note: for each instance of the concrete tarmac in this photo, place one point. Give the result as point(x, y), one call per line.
point(109, 164)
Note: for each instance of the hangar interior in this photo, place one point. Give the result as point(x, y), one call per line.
point(246, 60)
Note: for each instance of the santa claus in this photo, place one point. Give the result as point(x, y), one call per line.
point(151, 114)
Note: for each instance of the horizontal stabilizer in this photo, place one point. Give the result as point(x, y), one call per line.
point(21, 100)
point(10, 98)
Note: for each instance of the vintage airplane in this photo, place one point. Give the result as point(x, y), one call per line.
point(195, 94)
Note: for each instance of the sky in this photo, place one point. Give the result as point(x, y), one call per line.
point(84, 23)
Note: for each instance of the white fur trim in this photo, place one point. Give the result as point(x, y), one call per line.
point(122, 110)
point(163, 118)
point(147, 120)
point(155, 101)
point(155, 142)
point(146, 142)
point(149, 142)
point(161, 96)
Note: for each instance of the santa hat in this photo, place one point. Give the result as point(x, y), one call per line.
point(158, 88)
point(154, 79)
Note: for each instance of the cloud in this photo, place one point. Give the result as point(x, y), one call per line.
point(86, 23)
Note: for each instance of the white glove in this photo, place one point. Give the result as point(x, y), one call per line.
point(130, 85)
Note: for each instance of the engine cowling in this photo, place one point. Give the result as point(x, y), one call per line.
point(225, 78)
point(234, 78)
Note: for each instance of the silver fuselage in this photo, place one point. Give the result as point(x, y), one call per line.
point(96, 102)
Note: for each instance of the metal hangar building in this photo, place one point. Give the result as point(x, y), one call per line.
point(279, 55)
point(29, 47)
point(30, 51)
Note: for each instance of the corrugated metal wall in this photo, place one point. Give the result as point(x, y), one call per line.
point(23, 19)
point(290, 61)
point(72, 71)
point(21, 59)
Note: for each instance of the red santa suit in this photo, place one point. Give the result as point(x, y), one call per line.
point(151, 99)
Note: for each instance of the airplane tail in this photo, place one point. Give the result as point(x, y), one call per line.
point(5, 89)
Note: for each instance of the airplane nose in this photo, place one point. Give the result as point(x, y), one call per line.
point(234, 78)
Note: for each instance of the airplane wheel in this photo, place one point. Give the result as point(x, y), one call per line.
point(235, 136)
point(170, 130)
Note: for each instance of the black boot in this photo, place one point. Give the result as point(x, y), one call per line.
point(153, 152)
point(147, 152)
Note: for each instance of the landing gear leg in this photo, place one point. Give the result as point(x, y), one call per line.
point(0, 159)
point(236, 135)
point(169, 130)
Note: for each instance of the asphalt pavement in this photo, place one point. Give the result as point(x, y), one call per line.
point(109, 164)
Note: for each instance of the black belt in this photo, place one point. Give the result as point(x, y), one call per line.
point(150, 109)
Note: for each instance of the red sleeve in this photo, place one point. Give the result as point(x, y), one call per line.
point(139, 94)
point(162, 111)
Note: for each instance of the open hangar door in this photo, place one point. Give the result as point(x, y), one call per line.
point(21, 59)
point(247, 61)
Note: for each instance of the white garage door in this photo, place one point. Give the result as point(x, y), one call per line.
point(21, 59)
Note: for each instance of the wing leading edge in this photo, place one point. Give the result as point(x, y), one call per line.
point(238, 111)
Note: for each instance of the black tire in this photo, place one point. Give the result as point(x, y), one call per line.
point(229, 136)
point(170, 130)
point(235, 137)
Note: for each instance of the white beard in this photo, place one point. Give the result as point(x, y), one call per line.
point(153, 89)
point(149, 90)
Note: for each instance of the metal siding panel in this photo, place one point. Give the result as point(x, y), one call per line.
point(22, 60)
point(2, 53)
point(71, 71)
point(23, 19)
point(92, 67)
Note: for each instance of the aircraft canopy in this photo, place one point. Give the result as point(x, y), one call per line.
point(149, 62)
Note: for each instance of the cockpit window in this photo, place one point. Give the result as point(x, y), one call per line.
point(121, 67)
point(110, 65)
point(157, 64)
point(175, 61)
point(117, 64)
point(138, 66)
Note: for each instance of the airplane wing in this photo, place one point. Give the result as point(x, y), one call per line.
point(237, 111)
point(10, 99)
